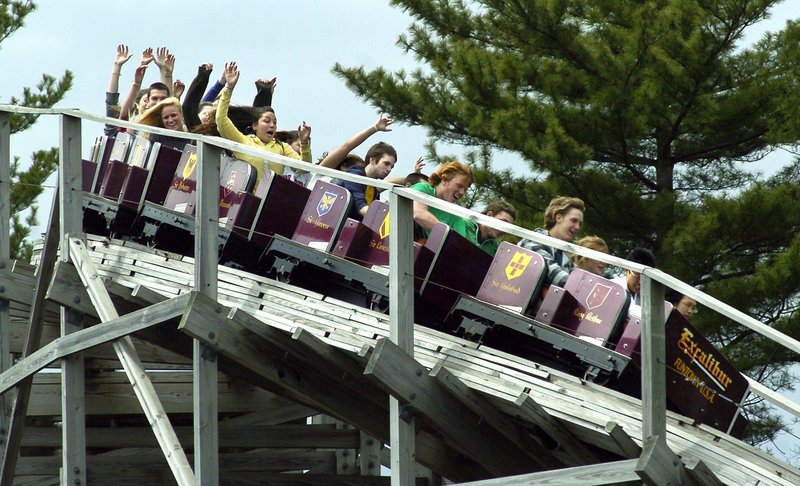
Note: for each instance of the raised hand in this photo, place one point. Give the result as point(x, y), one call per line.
point(122, 55)
point(382, 125)
point(231, 75)
point(304, 131)
point(138, 75)
point(164, 60)
point(419, 165)
point(177, 88)
point(266, 84)
point(147, 57)
point(206, 67)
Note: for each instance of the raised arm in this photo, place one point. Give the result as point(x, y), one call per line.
point(166, 64)
point(120, 58)
point(212, 93)
point(225, 126)
point(191, 104)
point(138, 76)
point(112, 94)
point(337, 155)
point(418, 166)
point(265, 88)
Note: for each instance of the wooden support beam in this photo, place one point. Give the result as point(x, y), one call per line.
point(33, 337)
point(654, 375)
point(142, 386)
point(269, 354)
point(5, 252)
point(401, 331)
point(206, 252)
point(628, 448)
point(237, 436)
point(72, 369)
point(530, 410)
point(618, 473)
point(658, 465)
point(700, 474)
point(369, 457)
point(459, 424)
point(489, 414)
point(83, 339)
point(290, 368)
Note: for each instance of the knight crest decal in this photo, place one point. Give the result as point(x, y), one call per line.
point(325, 204)
point(516, 267)
point(228, 189)
point(383, 231)
point(191, 163)
point(598, 295)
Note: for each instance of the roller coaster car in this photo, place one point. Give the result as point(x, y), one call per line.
point(171, 226)
point(502, 316)
point(302, 236)
point(273, 209)
point(350, 267)
point(121, 189)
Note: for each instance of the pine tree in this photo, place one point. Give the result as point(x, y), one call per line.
point(654, 113)
point(27, 179)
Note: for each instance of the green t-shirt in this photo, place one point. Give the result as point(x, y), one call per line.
point(465, 227)
point(490, 246)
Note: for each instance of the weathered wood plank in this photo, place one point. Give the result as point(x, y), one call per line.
point(86, 338)
point(142, 385)
point(616, 473)
point(239, 436)
point(700, 473)
point(658, 464)
point(627, 446)
point(535, 413)
point(407, 380)
point(492, 416)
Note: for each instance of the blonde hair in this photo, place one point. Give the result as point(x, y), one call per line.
point(593, 243)
point(447, 171)
point(152, 116)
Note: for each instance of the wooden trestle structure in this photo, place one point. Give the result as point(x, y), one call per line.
point(234, 378)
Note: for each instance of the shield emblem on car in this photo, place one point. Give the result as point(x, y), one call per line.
point(598, 295)
point(516, 267)
point(325, 203)
point(383, 231)
point(191, 163)
point(228, 189)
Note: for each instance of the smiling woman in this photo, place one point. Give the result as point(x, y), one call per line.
point(166, 114)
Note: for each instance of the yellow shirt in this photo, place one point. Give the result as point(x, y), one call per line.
point(228, 130)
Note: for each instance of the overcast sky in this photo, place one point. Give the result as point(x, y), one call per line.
point(296, 41)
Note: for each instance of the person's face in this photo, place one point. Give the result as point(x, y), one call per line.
point(687, 307)
point(634, 284)
point(454, 189)
point(296, 146)
point(594, 266)
point(266, 126)
point(380, 168)
point(155, 96)
point(142, 104)
point(567, 224)
point(171, 118)
point(494, 233)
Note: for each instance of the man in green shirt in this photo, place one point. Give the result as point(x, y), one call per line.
point(485, 237)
